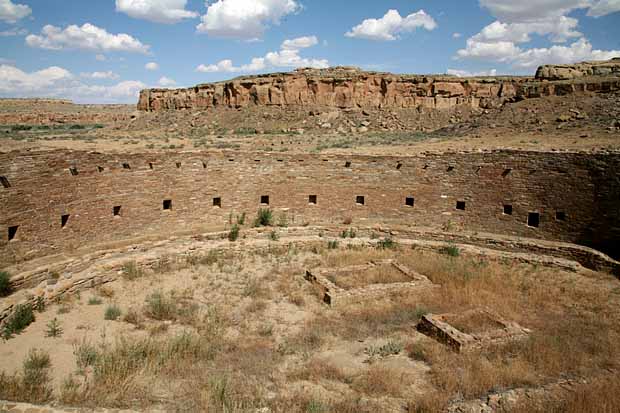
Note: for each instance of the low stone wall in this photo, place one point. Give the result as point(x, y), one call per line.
point(334, 295)
point(439, 328)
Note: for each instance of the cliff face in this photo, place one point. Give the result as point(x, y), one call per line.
point(348, 87)
point(579, 70)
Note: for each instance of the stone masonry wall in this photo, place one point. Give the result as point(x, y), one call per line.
point(575, 194)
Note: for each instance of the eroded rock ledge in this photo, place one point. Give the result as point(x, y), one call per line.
point(346, 87)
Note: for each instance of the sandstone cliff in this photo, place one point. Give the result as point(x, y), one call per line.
point(345, 87)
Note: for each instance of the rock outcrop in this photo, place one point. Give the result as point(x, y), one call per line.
point(345, 87)
point(579, 70)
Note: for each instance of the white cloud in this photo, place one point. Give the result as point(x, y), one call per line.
point(465, 73)
point(158, 11)
point(14, 32)
point(559, 30)
point(244, 19)
point(287, 57)
point(507, 52)
point(604, 7)
point(86, 37)
point(57, 82)
point(502, 41)
point(390, 26)
point(151, 66)
point(166, 82)
point(100, 58)
point(100, 75)
point(300, 43)
point(456, 35)
point(11, 12)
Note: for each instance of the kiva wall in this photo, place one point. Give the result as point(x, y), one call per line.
point(574, 196)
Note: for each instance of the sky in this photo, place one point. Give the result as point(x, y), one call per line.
point(106, 51)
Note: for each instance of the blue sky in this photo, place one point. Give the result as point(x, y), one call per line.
point(98, 51)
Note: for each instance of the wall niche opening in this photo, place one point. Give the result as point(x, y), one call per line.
point(507, 209)
point(64, 220)
point(264, 199)
point(460, 205)
point(151, 165)
point(360, 200)
point(178, 164)
point(5, 182)
point(560, 216)
point(167, 204)
point(410, 201)
point(312, 199)
point(100, 169)
point(399, 165)
point(126, 166)
point(347, 164)
point(450, 168)
point(74, 171)
point(13, 232)
point(117, 211)
point(217, 202)
point(506, 172)
point(533, 219)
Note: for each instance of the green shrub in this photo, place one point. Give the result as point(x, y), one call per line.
point(274, 236)
point(451, 250)
point(332, 245)
point(241, 219)
point(5, 284)
point(233, 235)
point(21, 318)
point(386, 244)
point(53, 329)
point(160, 307)
point(264, 218)
point(112, 312)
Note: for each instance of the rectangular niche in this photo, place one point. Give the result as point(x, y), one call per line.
point(312, 199)
point(264, 199)
point(167, 204)
point(117, 211)
point(13, 232)
point(560, 216)
point(74, 171)
point(533, 219)
point(178, 164)
point(5, 182)
point(64, 220)
point(217, 202)
point(460, 205)
point(410, 201)
point(507, 209)
point(126, 166)
point(360, 200)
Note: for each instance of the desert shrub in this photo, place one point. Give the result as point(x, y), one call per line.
point(233, 235)
point(388, 349)
point(132, 317)
point(451, 250)
point(21, 318)
point(94, 300)
point(85, 355)
point(241, 219)
point(160, 307)
point(332, 245)
point(53, 329)
point(273, 236)
point(131, 271)
point(112, 312)
point(386, 244)
point(5, 284)
point(32, 384)
point(264, 218)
